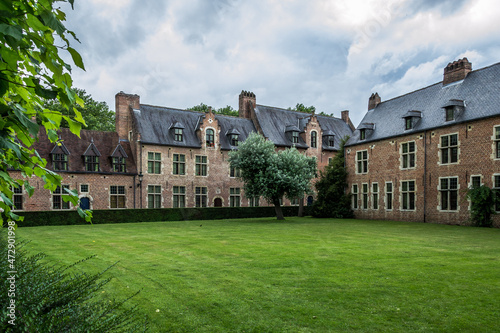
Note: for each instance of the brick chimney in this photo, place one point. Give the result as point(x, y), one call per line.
point(456, 71)
point(124, 103)
point(346, 119)
point(247, 102)
point(373, 101)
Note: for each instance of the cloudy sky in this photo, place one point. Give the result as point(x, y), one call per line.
point(328, 53)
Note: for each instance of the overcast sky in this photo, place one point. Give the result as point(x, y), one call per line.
point(328, 53)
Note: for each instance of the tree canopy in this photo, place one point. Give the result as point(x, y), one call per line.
point(97, 115)
point(272, 174)
point(307, 109)
point(228, 110)
point(31, 72)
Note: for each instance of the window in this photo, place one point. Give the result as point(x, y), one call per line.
point(354, 196)
point(179, 197)
point(179, 164)
point(119, 164)
point(254, 202)
point(449, 149)
point(295, 137)
point(17, 197)
point(154, 196)
point(362, 161)
point(210, 138)
point(496, 187)
point(475, 181)
point(178, 134)
point(314, 139)
point(92, 163)
point(201, 197)
point(117, 196)
point(497, 142)
point(448, 188)
point(364, 197)
point(450, 114)
point(201, 166)
point(154, 163)
point(388, 196)
point(234, 173)
point(375, 195)
point(362, 134)
point(295, 202)
point(408, 123)
point(234, 197)
point(60, 162)
point(234, 139)
point(57, 198)
point(330, 140)
point(84, 188)
point(408, 155)
point(408, 195)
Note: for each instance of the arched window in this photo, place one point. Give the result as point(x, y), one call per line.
point(209, 137)
point(314, 139)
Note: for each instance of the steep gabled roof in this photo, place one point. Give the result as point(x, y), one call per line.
point(333, 126)
point(119, 152)
point(92, 149)
point(478, 92)
point(233, 125)
point(60, 148)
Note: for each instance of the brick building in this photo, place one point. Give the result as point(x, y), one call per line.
point(162, 157)
point(413, 157)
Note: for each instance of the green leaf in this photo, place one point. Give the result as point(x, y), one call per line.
point(6, 199)
point(74, 126)
point(45, 93)
point(52, 22)
point(14, 31)
point(77, 58)
point(32, 127)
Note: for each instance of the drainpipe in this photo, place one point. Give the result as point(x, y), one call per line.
point(140, 172)
point(135, 189)
point(425, 176)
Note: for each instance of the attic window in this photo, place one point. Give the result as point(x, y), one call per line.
point(91, 158)
point(295, 137)
point(331, 140)
point(233, 136)
point(119, 164)
point(178, 131)
point(362, 134)
point(234, 139)
point(294, 133)
point(453, 109)
point(450, 113)
point(408, 123)
point(411, 119)
point(60, 162)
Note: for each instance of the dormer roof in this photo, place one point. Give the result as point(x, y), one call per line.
point(92, 150)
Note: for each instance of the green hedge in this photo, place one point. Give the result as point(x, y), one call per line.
point(34, 219)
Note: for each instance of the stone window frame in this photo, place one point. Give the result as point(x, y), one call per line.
point(389, 194)
point(496, 143)
point(201, 165)
point(448, 148)
point(355, 192)
point(363, 161)
point(117, 194)
point(234, 197)
point(402, 193)
point(154, 162)
point(470, 185)
point(234, 172)
point(88, 188)
point(201, 196)
point(154, 195)
point(178, 196)
point(57, 198)
point(375, 196)
point(210, 138)
point(314, 139)
point(365, 196)
point(17, 194)
point(495, 178)
point(178, 164)
point(449, 192)
point(408, 154)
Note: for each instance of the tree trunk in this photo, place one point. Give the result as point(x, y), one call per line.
point(277, 208)
point(301, 207)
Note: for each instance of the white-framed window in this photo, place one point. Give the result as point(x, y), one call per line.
point(362, 161)
point(408, 155)
point(179, 164)
point(178, 134)
point(234, 172)
point(18, 197)
point(154, 162)
point(364, 195)
point(408, 195)
point(179, 199)
point(355, 196)
point(496, 187)
point(117, 197)
point(154, 196)
point(389, 195)
point(475, 181)
point(201, 197)
point(496, 142)
point(449, 149)
point(201, 165)
point(448, 191)
point(84, 188)
point(375, 195)
point(57, 198)
point(234, 196)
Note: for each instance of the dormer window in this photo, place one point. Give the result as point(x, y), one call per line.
point(210, 138)
point(295, 137)
point(453, 109)
point(91, 158)
point(178, 134)
point(408, 123)
point(233, 136)
point(234, 139)
point(329, 138)
point(293, 133)
point(119, 159)
point(411, 119)
point(59, 157)
point(362, 134)
point(178, 131)
point(450, 114)
point(365, 129)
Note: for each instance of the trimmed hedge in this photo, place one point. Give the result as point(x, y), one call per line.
point(34, 219)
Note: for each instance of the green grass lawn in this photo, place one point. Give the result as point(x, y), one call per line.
point(301, 275)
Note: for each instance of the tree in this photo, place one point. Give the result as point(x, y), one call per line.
point(97, 115)
point(270, 174)
point(228, 110)
point(483, 201)
point(332, 199)
point(307, 109)
point(31, 72)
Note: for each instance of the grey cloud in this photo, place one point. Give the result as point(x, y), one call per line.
point(446, 7)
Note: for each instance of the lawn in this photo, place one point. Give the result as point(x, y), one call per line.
point(301, 275)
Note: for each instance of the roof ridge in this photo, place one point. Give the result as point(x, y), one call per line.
point(173, 109)
point(282, 109)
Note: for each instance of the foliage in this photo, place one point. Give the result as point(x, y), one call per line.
point(49, 298)
point(31, 72)
point(332, 199)
point(483, 201)
point(227, 111)
point(270, 174)
point(97, 115)
point(307, 109)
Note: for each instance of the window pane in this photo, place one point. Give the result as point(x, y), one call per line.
point(444, 141)
point(453, 140)
point(454, 155)
point(405, 148)
point(444, 156)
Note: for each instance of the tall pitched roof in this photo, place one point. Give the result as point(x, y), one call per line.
point(233, 125)
point(479, 93)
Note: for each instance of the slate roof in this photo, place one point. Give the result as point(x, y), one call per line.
point(228, 125)
point(335, 126)
point(479, 92)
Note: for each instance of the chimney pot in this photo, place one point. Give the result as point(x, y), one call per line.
point(456, 71)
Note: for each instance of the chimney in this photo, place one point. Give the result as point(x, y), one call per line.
point(373, 101)
point(456, 71)
point(247, 102)
point(346, 119)
point(124, 103)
